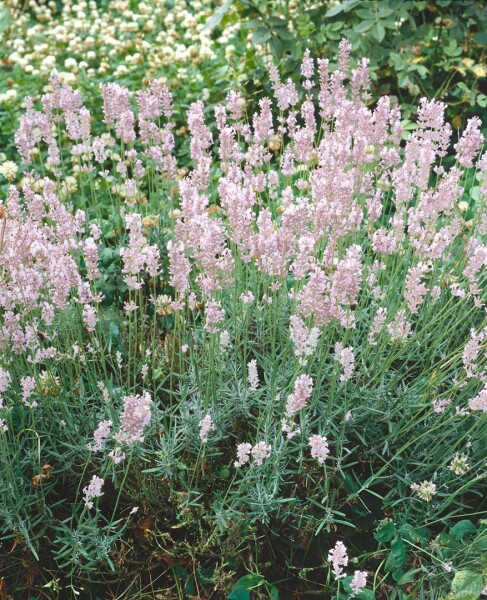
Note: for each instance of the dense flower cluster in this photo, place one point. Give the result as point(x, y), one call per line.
point(39, 239)
point(283, 285)
point(117, 40)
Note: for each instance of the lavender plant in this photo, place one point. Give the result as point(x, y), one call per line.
point(276, 354)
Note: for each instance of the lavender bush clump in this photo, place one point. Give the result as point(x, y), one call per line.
point(278, 352)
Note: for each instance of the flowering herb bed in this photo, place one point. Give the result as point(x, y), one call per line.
point(260, 376)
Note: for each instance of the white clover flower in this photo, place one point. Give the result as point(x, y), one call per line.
point(426, 490)
point(9, 170)
point(459, 465)
point(71, 63)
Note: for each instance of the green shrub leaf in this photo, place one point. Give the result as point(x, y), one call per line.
point(466, 585)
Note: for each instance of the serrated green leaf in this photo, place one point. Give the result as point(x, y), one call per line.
point(283, 33)
point(255, 24)
point(408, 577)
point(422, 70)
point(466, 585)
point(190, 587)
point(463, 528)
point(277, 21)
point(378, 32)
point(251, 580)
point(276, 47)
point(274, 593)
point(261, 36)
point(365, 13)
point(397, 556)
point(335, 10)
point(482, 100)
point(239, 593)
point(5, 19)
point(480, 37)
point(412, 534)
point(240, 590)
point(385, 533)
point(215, 19)
point(363, 26)
point(385, 11)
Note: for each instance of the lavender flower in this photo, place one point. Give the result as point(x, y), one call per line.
point(469, 143)
point(359, 581)
point(303, 388)
point(319, 448)
point(101, 434)
point(339, 559)
point(252, 375)
point(206, 425)
point(93, 490)
point(135, 417)
point(28, 386)
point(346, 357)
point(260, 452)
point(305, 339)
point(243, 454)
